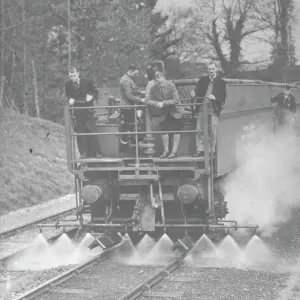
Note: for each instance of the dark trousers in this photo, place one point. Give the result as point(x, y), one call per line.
point(86, 123)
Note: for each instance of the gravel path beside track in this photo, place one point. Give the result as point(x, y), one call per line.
point(29, 214)
point(190, 283)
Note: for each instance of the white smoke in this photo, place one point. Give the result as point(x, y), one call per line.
point(264, 190)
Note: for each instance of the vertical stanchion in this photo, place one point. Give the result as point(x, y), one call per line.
point(205, 113)
point(136, 139)
point(68, 138)
point(162, 206)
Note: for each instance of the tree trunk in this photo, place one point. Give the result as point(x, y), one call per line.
point(2, 38)
point(35, 89)
point(284, 19)
point(25, 102)
point(69, 34)
point(12, 70)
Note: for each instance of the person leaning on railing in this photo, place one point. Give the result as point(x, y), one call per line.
point(213, 88)
point(81, 93)
point(164, 96)
point(130, 94)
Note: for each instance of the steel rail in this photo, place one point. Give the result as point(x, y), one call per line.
point(154, 279)
point(44, 287)
point(5, 259)
point(26, 226)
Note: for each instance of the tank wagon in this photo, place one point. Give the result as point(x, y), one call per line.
point(131, 189)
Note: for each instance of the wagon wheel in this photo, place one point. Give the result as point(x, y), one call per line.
point(184, 94)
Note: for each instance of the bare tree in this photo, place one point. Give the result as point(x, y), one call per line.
point(217, 30)
point(35, 89)
point(278, 17)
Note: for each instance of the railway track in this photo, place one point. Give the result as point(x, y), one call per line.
point(15, 240)
point(113, 275)
point(12, 276)
point(52, 218)
point(118, 280)
point(5, 260)
point(146, 285)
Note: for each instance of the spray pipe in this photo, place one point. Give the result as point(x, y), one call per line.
point(57, 226)
point(228, 221)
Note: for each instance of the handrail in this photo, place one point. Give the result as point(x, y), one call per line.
point(194, 81)
point(71, 134)
point(134, 132)
point(128, 106)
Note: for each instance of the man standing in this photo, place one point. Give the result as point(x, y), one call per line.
point(81, 93)
point(286, 107)
point(151, 80)
point(213, 88)
point(130, 93)
point(164, 96)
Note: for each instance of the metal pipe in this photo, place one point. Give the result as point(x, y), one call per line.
point(130, 106)
point(111, 199)
point(211, 206)
point(72, 130)
point(228, 221)
point(194, 81)
point(76, 192)
point(152, 199)
point(139, 132)
point(68, 140)
point(80, 203)
point(156, 225)
point(206, 135)
point(116, 168)
point(136, 142)
point(162, 205)
point(233, 227)
point(57, 225)
point(173, 226)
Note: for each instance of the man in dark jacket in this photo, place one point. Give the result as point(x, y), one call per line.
point(286, 107)
point(213, 88)
point(130, 94)
point(81, 93)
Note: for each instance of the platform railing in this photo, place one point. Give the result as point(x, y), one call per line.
point(71, 134)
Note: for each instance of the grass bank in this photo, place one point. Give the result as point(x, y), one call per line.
point(33, 168)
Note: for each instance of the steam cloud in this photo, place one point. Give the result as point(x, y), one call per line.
point(264, 189)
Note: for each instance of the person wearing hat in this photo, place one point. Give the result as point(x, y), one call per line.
point(129, 93)
point(163, 95)
point(286, 107)
point(81, 92)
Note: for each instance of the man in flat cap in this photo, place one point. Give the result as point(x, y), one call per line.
point(286, 108)
point(163, 95)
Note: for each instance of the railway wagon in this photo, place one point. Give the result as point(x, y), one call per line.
point(131, 189)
